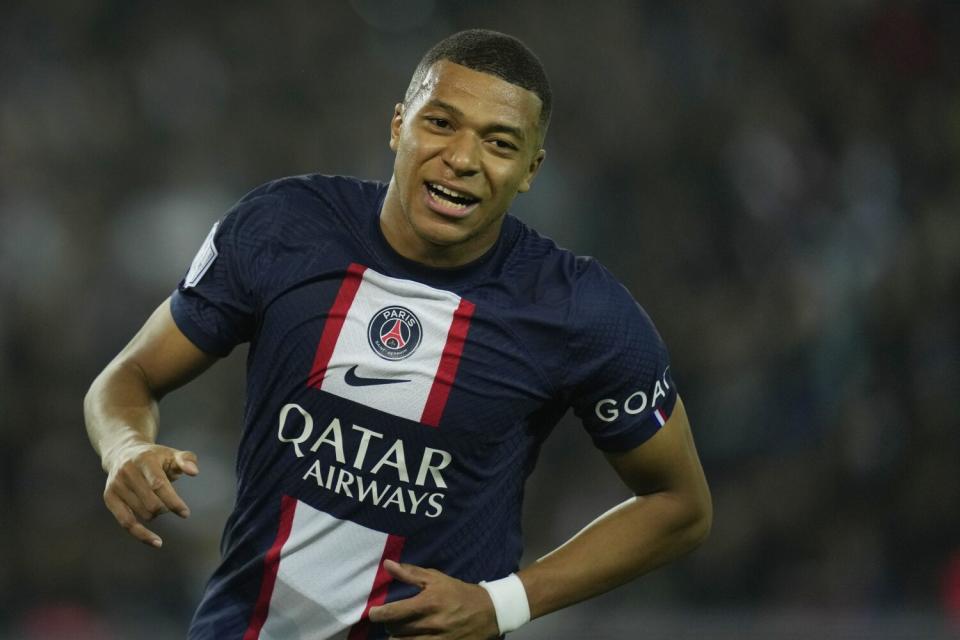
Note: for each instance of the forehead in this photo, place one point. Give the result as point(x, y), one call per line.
point(479, 95)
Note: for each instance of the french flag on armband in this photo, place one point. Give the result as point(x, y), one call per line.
point(660, 416)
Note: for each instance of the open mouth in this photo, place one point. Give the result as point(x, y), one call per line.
point(449, 198)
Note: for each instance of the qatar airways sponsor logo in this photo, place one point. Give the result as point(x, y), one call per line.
point(609, 409)
point(359, 453)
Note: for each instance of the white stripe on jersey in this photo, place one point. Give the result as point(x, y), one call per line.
point(434, 310)
point(325, 576)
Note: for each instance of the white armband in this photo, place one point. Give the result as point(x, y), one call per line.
point(509, 602)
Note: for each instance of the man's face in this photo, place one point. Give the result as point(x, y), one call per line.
point(465, 145)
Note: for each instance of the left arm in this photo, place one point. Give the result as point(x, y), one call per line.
point(669, 515)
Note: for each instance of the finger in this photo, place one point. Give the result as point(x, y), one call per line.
point(125, 518)
point(162, 488)
point(130, 499)
point(141, 480)
point(186, 462)
point(409, 573)
point(412, 630)
point(145, 536)
point(396, 612)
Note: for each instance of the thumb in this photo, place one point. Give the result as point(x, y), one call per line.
point(408, 573)
point(186, 461)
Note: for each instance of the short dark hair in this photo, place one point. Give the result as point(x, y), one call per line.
point(490, 52)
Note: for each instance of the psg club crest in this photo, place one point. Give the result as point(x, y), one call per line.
point(394, 333)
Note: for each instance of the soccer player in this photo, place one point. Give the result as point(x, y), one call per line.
point(411, 346)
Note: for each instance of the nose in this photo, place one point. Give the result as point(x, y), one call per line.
point(462, 154)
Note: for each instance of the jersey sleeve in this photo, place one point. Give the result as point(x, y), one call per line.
point(618, 369)
point(216, 303)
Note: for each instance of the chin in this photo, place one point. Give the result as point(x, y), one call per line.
point(440, 234)
point(427, 222)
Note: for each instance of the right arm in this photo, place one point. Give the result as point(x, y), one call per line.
point(121, 415)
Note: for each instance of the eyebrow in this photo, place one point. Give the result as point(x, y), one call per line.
point(495, 127)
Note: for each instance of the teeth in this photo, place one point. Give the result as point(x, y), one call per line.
point(451, 204)
point(450, 192)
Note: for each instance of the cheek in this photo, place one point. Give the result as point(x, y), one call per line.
point(507, 180)
point(410, 153)
point(404, 159)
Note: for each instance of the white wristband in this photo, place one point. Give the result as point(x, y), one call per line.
point(509, 602)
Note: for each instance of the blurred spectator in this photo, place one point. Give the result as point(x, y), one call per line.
point(776, 182)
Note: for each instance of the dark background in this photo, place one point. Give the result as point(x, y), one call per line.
point(777, 183)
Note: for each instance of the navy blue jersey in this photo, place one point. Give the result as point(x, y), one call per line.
point(394, 410)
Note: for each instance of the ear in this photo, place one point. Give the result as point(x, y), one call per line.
point(395, 124)
point(532, 170)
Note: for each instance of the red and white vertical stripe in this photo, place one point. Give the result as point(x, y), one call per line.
point(321, 577)
point(429, 372)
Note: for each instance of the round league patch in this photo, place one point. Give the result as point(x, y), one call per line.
point(394, 333)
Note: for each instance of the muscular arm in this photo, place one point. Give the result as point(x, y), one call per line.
point(670, 514)
point(121, 416)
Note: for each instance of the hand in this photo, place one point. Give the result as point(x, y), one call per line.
point(445, 608)
point(138, 486)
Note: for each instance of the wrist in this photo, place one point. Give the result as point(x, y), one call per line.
point(509, 602)
point(116, 451)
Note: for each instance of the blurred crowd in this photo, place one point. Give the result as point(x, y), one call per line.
point(777, 183)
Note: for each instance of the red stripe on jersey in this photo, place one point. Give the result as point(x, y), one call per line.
point(333, 325)
point(378, 595)
point(271, 563)
point(449, 362)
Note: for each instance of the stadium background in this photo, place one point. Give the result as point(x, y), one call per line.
point(777, 183)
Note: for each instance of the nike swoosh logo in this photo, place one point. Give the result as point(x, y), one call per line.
point(352, 379)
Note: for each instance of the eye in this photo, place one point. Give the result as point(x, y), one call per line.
point(440, 123)
point(504, 145)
